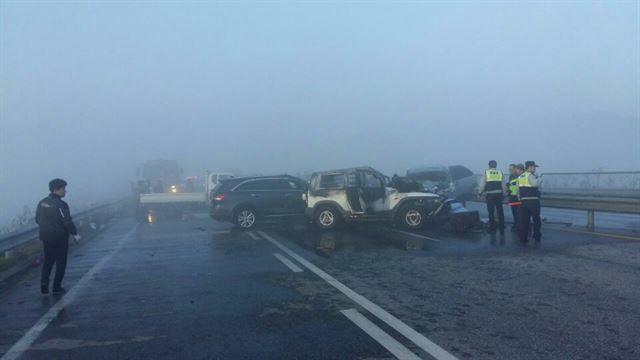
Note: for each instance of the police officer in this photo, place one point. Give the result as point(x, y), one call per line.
point(492, 184)
point(514, 172)
point(55, 225)
point(529, 194)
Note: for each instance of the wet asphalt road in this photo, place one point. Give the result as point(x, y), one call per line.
point(193, 288)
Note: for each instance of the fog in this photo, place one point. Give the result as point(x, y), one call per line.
point(91, 90)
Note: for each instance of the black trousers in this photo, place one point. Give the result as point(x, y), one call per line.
point(55, 252)
point(514, 210)
point(494, 205)
point(514, 213)
point(528, 210)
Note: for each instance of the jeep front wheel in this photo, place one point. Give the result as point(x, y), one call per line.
point(412, 218)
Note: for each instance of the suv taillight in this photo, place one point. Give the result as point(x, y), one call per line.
point(219, 197)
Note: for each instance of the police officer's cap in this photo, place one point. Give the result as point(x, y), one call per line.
point(530, 163)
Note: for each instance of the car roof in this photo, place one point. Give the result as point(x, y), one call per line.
point(348, 170)
point(242, 179)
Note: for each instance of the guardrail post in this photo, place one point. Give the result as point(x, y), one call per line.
point(591, 219)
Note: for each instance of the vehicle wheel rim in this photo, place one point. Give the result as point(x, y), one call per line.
point(413, 217)
point(246, 219)
point(326, 218)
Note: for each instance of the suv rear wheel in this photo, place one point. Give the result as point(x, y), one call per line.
point(327, 218)
point(245, 218)
point(411, 218)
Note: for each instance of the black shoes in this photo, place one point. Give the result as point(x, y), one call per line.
point(57, 290)
point(60, 290)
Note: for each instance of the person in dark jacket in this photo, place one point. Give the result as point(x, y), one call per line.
point(55, 225)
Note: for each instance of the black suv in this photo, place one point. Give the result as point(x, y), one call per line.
point(243, 201)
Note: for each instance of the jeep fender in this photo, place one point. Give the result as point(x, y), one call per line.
point(322, 203)
point(414, 201)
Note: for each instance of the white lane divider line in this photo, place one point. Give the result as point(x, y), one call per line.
point(32, 335)
point(416, 235)
point(253, 235)
point(425, 344)
point(398, 350)
point(288, 263)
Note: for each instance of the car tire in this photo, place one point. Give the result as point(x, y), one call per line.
point(411, 218)
point(327, 218)
point(245, 218)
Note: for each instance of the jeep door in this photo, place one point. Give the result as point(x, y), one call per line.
point(372, 186)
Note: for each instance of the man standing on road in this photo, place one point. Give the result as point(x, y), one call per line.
point(492, 184)
point(514, 172)
point(55, 225)
point(529, 195)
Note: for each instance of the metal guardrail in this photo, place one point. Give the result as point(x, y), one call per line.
point(605, 191)
point(617, 192)
point(14, 240)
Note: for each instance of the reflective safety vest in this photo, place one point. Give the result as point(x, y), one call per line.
point(494, 181)
point(527, 192)
point(513, 187)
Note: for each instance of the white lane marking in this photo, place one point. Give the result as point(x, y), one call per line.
point(398, 350)
point(32, 335)
point(288, 263)
point(416, 235)
point(253, 235)
point(404, 329)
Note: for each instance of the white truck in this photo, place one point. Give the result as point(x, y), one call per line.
point(161, 187)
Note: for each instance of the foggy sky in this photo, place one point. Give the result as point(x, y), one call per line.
point(91, 90)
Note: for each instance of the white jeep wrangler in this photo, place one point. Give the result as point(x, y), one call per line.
point(361, 194)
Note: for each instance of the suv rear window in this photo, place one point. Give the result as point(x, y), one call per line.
point(332, 181)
